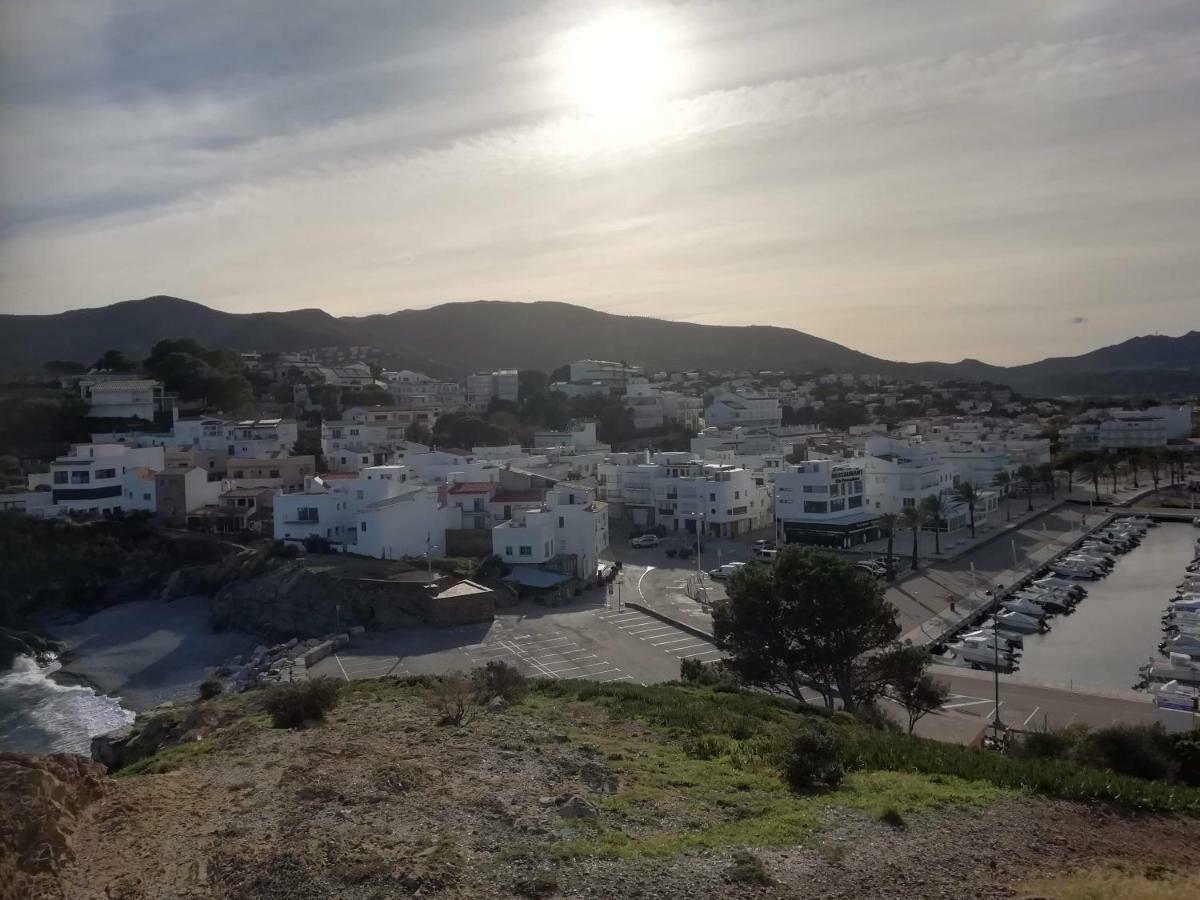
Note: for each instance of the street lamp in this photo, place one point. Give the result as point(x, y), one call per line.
point(996, 679)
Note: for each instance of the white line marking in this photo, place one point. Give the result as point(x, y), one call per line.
point(340, 666)
point(1030, 716)
point(649, 569)
point(698, 652)
point(528, 661)
point(674, 640)
point(964, 703)
point(621, 678)
point(621, 615)
point(647, 629)
point(546, 661)
point(591, 674)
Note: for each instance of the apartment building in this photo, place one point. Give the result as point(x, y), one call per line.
point(580, 436)
point(274, 470)
point(614, 376)
point(748, 410)
point(677, 490)
point(821, 502)
point(566, 534)
point(180, 491)
point(102, 478)
point(897, 474)
point(483, 386)
point(327, 506)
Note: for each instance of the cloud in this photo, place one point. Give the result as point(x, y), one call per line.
point(926, 189)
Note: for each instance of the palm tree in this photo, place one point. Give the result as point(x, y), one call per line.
point(1045, 474)
point(1003, 481)
point(1092, 470)
point(1133, 459)
point(1067, 463)
point(1113, 464)
point(911, 517)
point(1026, 476)
point(964, 492)
point(1154, 461)
point(933, 508)
point(887, 524)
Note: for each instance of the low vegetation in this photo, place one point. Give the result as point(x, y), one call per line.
point(292, 705)
point(1151, 883)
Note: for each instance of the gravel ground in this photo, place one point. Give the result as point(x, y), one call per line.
point(381, 801)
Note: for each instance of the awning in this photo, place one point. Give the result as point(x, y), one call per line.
point(535, 578)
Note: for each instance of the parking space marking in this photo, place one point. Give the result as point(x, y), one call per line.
point(674, 640)
point(710, 649)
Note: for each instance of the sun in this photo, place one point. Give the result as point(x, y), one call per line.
point(619, 67)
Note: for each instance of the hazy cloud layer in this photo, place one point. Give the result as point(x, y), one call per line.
point(920, 180)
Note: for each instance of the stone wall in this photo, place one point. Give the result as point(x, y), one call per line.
point(291, 601)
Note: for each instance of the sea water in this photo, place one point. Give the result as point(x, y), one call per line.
point(39, 715)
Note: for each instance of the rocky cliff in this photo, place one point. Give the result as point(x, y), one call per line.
point(41, 800)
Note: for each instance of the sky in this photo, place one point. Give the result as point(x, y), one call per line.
point(919, 180)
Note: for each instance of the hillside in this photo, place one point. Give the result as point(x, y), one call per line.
point(456, 338)
point(576, 790)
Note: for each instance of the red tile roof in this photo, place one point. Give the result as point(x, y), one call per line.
point(532, 495)
point(472, 487)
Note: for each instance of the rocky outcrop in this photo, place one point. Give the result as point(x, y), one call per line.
point(290, 599)
point(15, 643)
point(41, 798)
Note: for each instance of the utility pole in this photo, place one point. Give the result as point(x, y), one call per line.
point(996, 678)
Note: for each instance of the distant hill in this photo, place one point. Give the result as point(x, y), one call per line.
point(455, 338)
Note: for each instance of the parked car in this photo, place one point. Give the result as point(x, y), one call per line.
point(722, 573)
point(767, 553)
point(644, 540)
point(764, 544)
point(872, 567)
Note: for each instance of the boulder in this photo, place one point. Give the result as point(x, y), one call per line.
point(576, 807)
point(108, 748)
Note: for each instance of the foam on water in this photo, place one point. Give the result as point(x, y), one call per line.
point(39, 715)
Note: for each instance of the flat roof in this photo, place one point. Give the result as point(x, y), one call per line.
point(535, 578)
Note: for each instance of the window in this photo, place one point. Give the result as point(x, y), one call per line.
point(712, 498)
point(146, 497)
point(909, 501)
point(561, 523)
point(274, 473)
point(308, 514)
point(106, 473)
point(527, 551)
point(508, 551)
point(80, 477)
point(816, 506)
point(855, 502)
point(507, 513)
point(60, 477)
point(837, 505)
point(362, 526)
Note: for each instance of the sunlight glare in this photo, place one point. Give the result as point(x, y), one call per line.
point(618, 68)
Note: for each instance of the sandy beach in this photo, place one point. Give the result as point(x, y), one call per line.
point(148, 651)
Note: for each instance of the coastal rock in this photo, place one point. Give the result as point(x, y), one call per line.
point(41, 798)
point(14, 643)
point(109, 748)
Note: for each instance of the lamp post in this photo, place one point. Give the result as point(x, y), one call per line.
point(996, 678)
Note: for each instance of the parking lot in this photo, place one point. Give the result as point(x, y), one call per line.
point(591, 639)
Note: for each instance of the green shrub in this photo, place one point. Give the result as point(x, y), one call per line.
point(865, 749)
point(1044, 745)
point(891, 816)
point(1131, 750)
point(498, 679)
point(1185, 751)
point(210, 687)
point(748, 869)
point(813, 759)
point(291, 705)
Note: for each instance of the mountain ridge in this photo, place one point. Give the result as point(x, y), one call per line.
point(462, 336)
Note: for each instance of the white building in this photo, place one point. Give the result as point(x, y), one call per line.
point(615, 376)
point(483, 386)
point(584, 389)
point(676, 490)
point(123, 398)
point(728, 409)
point(821, 502)
point(567, 533)
point(355, 513)
point(579, 435)
point(416, 389)
point(101, 478)
point(898, 474)
point(646, 404)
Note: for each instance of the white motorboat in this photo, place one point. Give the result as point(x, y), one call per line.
point(1050, 582)
point(1181, 643)
point(1070, 570)
point(978, 654)
point(1025, 607)
point(1008, 640)
point(1019, 622)
point(1178, 667)
point(1050, 603)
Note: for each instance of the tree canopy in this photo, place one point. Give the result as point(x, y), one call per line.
point(810, 619)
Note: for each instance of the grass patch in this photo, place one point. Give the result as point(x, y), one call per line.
point(866, 749)
point(1116, 885)
point(748, 869)
point(167, 760)
point(875, 793)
